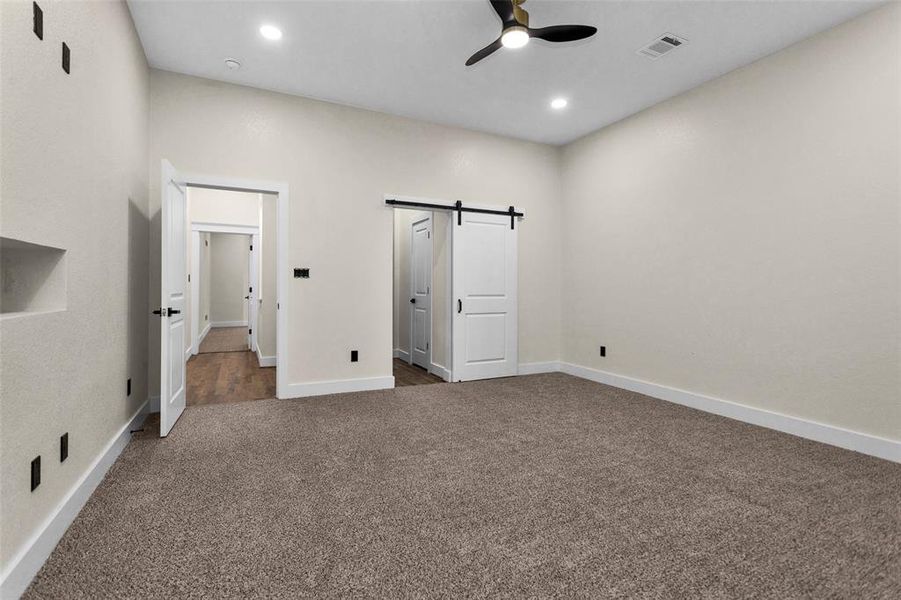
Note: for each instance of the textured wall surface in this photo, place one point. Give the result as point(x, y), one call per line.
point(74, 162)
point(742, 240)
point(339, 162)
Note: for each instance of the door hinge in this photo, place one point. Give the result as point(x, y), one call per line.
point(250, 332)
point(251, 246)
point(250, 290)
point(189, 278)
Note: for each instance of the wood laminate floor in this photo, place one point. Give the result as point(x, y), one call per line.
point(221, 377)
point(224, 339)
point(406, 374)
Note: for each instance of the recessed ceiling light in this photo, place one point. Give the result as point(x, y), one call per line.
point(515, 37)
point(558, 103)
point(271, 32)
point(232, 64)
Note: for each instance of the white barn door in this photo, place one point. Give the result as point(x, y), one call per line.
point(421, 292)
point(173, 282)
point(484, 294)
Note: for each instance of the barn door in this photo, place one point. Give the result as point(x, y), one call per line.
point(484, 295)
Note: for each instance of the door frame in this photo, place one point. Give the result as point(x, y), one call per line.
point(449, 318)
point(431, 220)
point(197, 228)
point(282, 233)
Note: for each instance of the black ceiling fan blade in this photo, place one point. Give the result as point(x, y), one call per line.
point(504, 9)
point(563, 33)
point(489, 49)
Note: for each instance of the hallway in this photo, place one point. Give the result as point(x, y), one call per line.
point(223, 377)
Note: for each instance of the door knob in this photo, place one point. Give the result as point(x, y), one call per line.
point(247, 297)
point(412, 300)
point(173, 311)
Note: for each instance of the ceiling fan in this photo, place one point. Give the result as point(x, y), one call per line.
point(515, 32)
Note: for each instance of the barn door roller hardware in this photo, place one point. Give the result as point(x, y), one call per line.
point(459, 208)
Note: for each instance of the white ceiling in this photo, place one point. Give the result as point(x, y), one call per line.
point(407, 57)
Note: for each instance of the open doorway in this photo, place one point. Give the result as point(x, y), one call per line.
point(455, 291)
point(421, 297)
point(222, 322)
point(231, 265)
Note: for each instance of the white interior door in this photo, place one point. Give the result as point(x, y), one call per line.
point(253, 293)
point(484, 293)
point(421, 292)
point(172, 302)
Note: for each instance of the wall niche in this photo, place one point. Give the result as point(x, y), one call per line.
point(32, 278)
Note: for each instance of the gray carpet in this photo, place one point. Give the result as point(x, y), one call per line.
point(534, 486)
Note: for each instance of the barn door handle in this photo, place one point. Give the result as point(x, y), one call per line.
point(459, 306)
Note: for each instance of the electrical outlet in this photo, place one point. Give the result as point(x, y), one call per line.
point(603, 350)
point(354, 356)
point(35, 473)
point(64, 447)
point(128, 387)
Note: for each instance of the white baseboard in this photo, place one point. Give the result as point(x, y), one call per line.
point(440, 371)
point(340, 386)
point(203, 333)
point(154, 404)
point(189, 352)
point(811, 430)
point(402, 354)
point(29, 560)
point(265, 361)
point(539, 367)
point(228, 324)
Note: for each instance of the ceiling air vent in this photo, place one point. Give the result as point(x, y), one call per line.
point(663, 45)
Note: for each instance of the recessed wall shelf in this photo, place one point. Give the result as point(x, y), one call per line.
point(32, 278)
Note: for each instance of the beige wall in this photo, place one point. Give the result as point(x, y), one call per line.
point(403, 220)
point(73, 157)
point(266, 337)
point(223, 207)
point(339, 162)
point(228, 278)
point(742, 240)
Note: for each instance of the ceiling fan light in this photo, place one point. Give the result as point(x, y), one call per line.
point(515, 37)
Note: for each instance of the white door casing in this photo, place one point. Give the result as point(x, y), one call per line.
point(173, 219)
point(484, 280)
point(421, 292)
point(254, 292)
